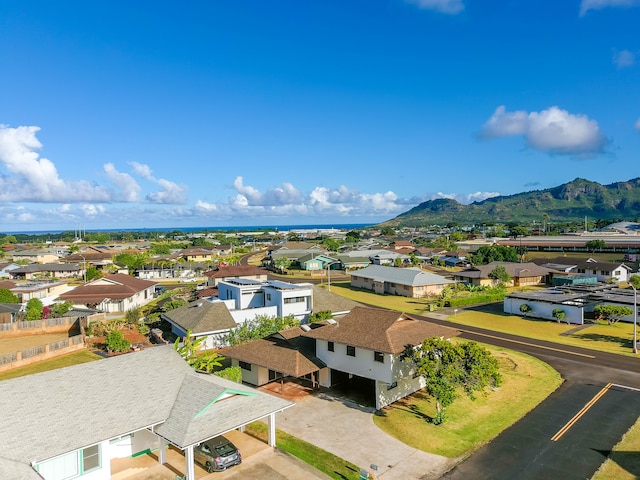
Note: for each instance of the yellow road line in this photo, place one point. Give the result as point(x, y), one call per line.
point(528, 344)
point(578, 415)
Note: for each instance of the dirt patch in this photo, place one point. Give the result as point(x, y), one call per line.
point(132, 334)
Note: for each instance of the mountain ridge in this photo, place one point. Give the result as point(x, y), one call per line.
point(570, 201)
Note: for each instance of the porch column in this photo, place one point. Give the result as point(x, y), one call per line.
point(272, 430)
point(162, 451)
point(189, 470)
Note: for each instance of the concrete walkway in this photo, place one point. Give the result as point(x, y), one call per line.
point(346, 429)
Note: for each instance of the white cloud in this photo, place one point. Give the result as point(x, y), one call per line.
point(467, 198)
point(170, 191)
point(587, 5)
point(624, 58)
point(553, 130)
point(443, 6)
point(130, 190)
point(637, 125)
point(35, 179)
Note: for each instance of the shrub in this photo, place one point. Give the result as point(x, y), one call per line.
point(116, 342)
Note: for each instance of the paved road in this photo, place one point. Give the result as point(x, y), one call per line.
point(604, 387)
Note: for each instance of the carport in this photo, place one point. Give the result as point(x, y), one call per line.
point(360, 389)
point(205, 409)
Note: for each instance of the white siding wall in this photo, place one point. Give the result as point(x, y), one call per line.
point(362, 364)
point(573, 314)
point(406, 386)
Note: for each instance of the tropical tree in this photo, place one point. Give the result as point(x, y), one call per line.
point(634, 280)
point(352, 236)
point(34, 309)
point(558, 314)
point(7, 296)
point(260, 327)
point(525, 309)
point(596, 244)
point(611, 313)
point(282, 263)
point(59, 309)
point(190, 349)
point(93, 273)
point(494, 253)
point(331, 244)
point(446, 367)
point(500, 275)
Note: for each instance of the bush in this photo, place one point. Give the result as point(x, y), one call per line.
point(116, 342)
point(231, 373)
point(472, 300)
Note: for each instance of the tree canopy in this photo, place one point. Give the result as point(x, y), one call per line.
point(499, 274)
point(448, 367)
point(189, 349)
point(494, 253)
point(260, 327)
point(7, 296)
point(611, 313)
point(34, 309)
point(596, 244)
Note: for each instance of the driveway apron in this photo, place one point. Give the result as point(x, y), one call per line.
point(346, 429)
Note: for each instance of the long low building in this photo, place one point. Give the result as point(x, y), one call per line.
point(575, 301)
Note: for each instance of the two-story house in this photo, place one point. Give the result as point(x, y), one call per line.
point(368, 343)
point(247, 298)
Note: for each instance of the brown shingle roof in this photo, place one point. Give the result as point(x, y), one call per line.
point(381, 330)
point(114, 286)
point(235, 271)
point(277, 354)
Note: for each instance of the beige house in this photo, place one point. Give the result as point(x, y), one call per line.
point(521, 274)
point(407, 282)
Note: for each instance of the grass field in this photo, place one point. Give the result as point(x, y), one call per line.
point(617, 338)
point(472, 423)
point(624, 461)
point(331, 465)
point(81, 356)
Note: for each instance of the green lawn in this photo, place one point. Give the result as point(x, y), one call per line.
point(334, 467)
point(472, 423)
point(617, 338)
point(81, 356)
point(624, 461)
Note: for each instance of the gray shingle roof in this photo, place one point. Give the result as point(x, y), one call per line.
point(208, 317)
point(403, 276)
point(84, 404)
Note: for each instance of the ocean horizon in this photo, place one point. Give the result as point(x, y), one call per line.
point(246, 228)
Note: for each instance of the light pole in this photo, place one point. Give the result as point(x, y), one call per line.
point(84, 269)
point(329, 275)
point(635, 319)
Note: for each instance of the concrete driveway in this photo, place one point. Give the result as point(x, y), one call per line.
point(346, 429)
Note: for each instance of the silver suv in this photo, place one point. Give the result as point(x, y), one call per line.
point(217, 454)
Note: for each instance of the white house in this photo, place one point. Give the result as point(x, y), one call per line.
point(116, 292)
point(603, 271)
point(247, 298)
point(78, 418)
point(368, 343)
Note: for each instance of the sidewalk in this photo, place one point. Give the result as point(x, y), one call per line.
point(347, 430)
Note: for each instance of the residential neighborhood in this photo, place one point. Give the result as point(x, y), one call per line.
point(337, 347)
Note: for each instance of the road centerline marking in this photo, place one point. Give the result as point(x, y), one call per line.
point(527, 343)
point(582, 411)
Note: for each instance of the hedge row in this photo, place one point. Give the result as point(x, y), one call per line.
point(472, 300)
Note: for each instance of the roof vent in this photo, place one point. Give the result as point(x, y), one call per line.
point(331, 321)
point(199, 304)
point(306, 328)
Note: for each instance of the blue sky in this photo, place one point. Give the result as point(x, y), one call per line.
point(148, 114)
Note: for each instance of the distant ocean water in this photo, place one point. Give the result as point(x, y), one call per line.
point(246, 228)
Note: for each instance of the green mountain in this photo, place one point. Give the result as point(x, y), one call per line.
point(569, 202)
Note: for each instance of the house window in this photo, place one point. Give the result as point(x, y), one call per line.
point(90, 458)
point(391, 386)
point(351, 350)
point(245, 366)
point(331, 346)
point(378, 357)
point(295, 300)
point(268, 297)
point(273, 375)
